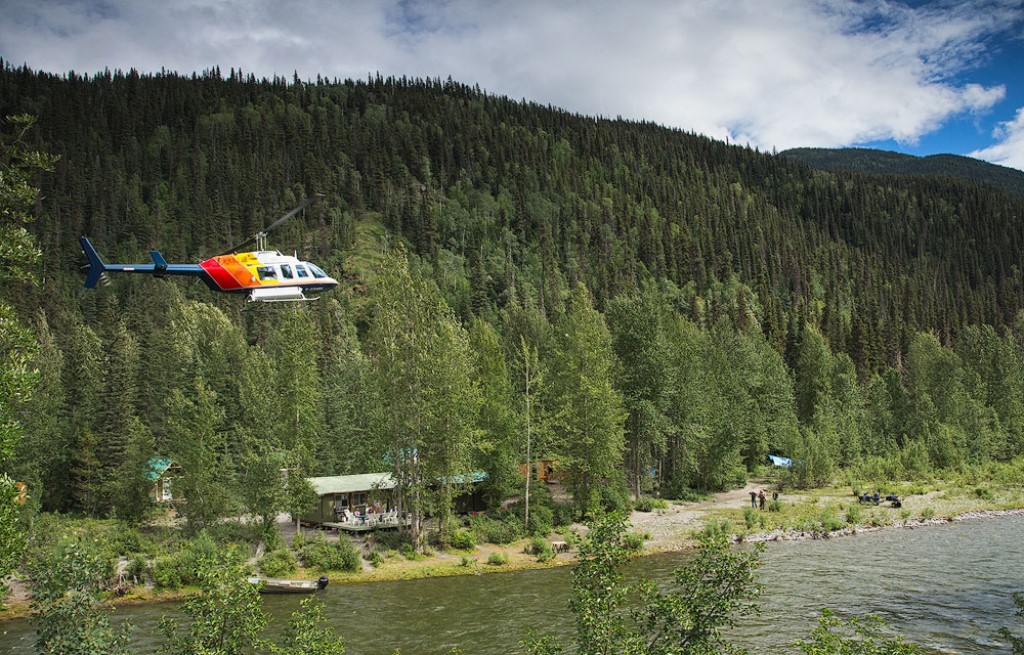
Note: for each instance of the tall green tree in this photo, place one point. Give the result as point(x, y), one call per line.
point(422, 365)
point(587, 411)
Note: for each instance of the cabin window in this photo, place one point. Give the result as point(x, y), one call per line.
point(301, 271)
point(266, 273)
point(315, 270)
point(286, 271)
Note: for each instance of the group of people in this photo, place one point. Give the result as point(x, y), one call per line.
point(758, 498)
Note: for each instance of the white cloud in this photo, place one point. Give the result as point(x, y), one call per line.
point(781, 73)
point(1010, 149)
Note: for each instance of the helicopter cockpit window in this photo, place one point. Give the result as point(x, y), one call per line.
point(301, 271)
point(286, 271)
point(266, 273)
point(315, 270)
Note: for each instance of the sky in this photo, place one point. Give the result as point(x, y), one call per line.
point(920, 77)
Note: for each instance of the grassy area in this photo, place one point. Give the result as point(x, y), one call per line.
point(833, 509)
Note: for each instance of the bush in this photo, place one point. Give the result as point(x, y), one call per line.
point(830, 522)
point(323, 556)
point(716, 528)
point(633, 541)
point(136, 569)
point(463, 539)
point(659, 503)
point(564, 514)
point(166, 572)
point(375, 559)
point(853, 515)
point(927, 513)
point(983, 493)
point(495, 531)
point(753, 518)
point(538, 546)
point(391, 539)
point(542, 520)
point(615, 498)
point(497, 559)
point(644, 504)
point(775, 505)
point(278, 563)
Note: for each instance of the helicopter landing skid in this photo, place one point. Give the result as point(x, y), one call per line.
point(277, 305)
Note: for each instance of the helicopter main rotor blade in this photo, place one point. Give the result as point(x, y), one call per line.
point(306, 203)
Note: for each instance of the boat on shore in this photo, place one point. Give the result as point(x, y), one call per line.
point(285, 586)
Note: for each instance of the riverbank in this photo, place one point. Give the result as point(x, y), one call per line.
point(815, 514)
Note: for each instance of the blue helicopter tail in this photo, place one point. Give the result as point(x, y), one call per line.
point(96, 265)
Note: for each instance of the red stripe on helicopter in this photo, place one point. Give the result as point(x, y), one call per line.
point(221, 276)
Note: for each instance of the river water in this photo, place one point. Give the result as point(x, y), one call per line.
point(947, 587)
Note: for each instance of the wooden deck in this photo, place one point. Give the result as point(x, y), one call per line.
point(368, 525)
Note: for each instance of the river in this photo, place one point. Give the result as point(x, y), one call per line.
point(947, 587)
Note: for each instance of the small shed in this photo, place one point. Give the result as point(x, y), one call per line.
point(161, 472)
point(354, 493)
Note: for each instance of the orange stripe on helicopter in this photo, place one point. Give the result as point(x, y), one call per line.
point(227, 273)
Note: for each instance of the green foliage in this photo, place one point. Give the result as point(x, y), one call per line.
point(463, 539)
point(66, 591)
point(167, 572)
point(225, 618)
point(858, 636)
point(753, 518)
point(323, 555)
point(308, 633)
point(493, 530)
point(136, 569)
point(542, 520)
point(278, 563)
point(497, 558)
point(633, 541)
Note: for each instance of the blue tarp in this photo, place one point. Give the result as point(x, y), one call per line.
point(784, 462)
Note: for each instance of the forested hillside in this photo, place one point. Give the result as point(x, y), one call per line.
point(868, 160)
point(658, 307)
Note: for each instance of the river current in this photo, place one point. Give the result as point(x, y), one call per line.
point(947, 587)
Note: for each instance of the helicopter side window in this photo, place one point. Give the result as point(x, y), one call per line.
point(286, 271)
point(266, 273)
point(315, 270)
point(301, 271)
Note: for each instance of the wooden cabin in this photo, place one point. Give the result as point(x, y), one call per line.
point(161, 473)
point(545, 470)
point(338, 494)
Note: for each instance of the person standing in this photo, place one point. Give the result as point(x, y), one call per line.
point(760, 498)
point(753, 499)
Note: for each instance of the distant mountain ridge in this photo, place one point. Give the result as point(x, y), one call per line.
point(884, 162)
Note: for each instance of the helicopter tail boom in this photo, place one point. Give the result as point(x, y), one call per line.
point(96, 265)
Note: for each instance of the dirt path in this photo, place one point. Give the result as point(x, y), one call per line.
point(668, 527)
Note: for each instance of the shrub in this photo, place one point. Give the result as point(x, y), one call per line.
point(564, 514)
point(463, 539)
point(753, 518)
point(927, 513)
point(375, 559)
point(497, 559)
point(659, 503)
point(853, 515)
point(278, 563)
point(136, 569)
point(391, 539)
point(542, 520)
point(830, 522)
point(633, 541)
point(538, 546)
point(644, 504)
point(323, 555)
point(983, 492)
point(716, 528)
point(495, 531)
point(615, 498)
point(166, 572)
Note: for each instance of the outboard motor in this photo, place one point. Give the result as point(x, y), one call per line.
point(322, 582)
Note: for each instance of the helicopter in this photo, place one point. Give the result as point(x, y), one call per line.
point(265, 276)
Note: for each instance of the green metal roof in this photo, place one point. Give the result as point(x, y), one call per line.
point(156, 466)
point(346, 484)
